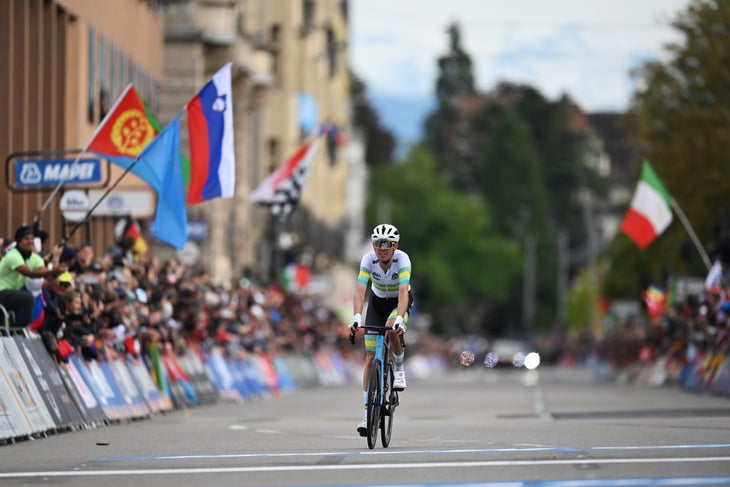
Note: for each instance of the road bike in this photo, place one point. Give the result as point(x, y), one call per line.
point(382, 398)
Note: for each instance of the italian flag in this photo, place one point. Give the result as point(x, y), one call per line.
point(650, 212)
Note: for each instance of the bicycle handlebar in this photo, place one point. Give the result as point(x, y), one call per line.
point(353, 330)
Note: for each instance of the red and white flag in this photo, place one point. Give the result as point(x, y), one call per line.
point(650, 212)
point(283, 188)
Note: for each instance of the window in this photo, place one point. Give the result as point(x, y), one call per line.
point(104, 94)
point(307, 16)
point(273, 154)
point(331, 49)
point(91, 93)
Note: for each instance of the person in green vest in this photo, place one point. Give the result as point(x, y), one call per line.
point(18, 264)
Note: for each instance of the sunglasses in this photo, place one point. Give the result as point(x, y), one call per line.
point(384, 244)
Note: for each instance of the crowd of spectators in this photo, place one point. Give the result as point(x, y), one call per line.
point(688, 329)
point(125, 300)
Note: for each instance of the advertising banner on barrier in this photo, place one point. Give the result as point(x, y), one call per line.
point(108, 388)
point(199, 380)
point(721, 380)
point(80, 392)
point(156, 401)
point(220, 374)
point(101, 396)
point(29, 397)
point(117, 373)
point(182, 393)
point(48, 381)
point(13, 423)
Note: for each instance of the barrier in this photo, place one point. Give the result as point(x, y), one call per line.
point(38, 395)
point(24, 389)
point(45, 372)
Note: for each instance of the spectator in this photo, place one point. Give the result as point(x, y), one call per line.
point(85, 260)
point(16, 266)
point(78, 326)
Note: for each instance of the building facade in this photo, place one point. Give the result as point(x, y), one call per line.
point(64, 63)
point(290, 77)
point(69, 60)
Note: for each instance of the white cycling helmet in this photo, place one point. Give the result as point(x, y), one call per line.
point(385, 231)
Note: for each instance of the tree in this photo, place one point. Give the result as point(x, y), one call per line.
point(446, 133)
point(683, 112)
point(379, 141)
point(462, 268)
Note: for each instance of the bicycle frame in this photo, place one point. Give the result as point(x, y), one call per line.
point(380, 388)
point(382, 350)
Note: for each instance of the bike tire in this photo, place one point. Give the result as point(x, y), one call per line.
point(388, 413)
point(374, 404)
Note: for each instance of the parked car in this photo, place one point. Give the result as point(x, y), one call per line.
point(508, 352)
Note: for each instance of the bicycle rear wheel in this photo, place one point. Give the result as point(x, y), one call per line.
point(388, 413)
point(374, 404)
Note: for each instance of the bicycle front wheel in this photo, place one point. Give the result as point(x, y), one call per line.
point(374, 395)
point(388, 412)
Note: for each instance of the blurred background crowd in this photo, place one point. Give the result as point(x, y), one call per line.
point(125, 302)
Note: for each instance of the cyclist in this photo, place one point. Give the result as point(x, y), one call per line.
point(388, 269)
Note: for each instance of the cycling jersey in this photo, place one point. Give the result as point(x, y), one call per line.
point(385, 283)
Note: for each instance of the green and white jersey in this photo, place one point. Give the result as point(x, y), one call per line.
point(385, 283)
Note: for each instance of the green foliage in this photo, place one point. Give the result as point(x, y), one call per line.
point(683, 113)
point(443, 134)
point(457, 259)
point(507, 172)
point(582, 302)
point(379, 141)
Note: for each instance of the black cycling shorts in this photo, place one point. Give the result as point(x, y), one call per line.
point(379, 309)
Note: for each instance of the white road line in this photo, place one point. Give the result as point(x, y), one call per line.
point(378, 466)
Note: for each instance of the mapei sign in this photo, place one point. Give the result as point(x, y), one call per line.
point(51, 172)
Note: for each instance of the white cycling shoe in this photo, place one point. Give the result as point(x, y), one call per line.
point(399, 380)
point(362, 428)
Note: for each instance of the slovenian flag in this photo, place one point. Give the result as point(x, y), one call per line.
point(210, 130)
point(650, 212)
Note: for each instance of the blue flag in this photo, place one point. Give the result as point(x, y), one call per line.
point(160, 166)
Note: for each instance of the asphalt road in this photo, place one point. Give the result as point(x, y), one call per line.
point(475, 426)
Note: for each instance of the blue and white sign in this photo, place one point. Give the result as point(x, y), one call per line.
point(51, 172)
point(197, 230)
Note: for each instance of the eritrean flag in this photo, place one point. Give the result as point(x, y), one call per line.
point(210, 131)
point(125, 130)
point(124, 133)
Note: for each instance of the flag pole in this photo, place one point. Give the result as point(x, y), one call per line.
point(91, 210)
point(83, 151)
point(691, 232)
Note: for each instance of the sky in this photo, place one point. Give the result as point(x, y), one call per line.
point(583, 48)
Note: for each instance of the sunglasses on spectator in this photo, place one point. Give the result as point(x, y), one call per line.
point(65, 284)
point(386, 244)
